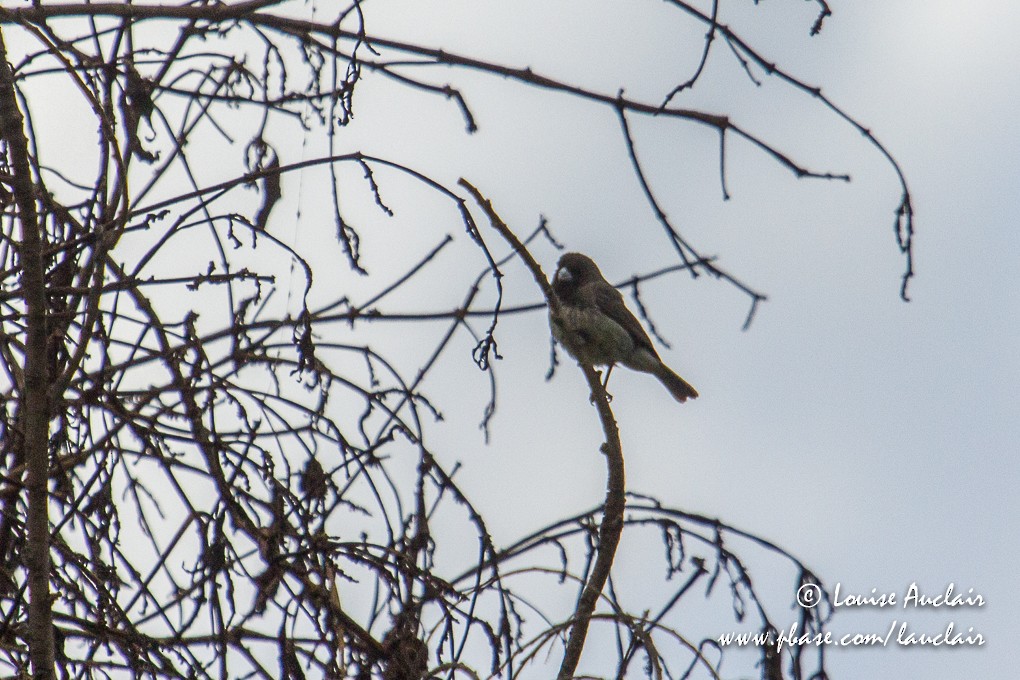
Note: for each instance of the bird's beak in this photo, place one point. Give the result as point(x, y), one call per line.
point(563, 274)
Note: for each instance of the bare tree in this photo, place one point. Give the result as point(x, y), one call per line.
point(203, 480)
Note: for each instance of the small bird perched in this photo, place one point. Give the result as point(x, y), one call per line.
point(595, 326)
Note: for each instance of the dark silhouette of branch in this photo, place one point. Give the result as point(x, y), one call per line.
point(610, 528)
point(32, 420)
point(904, 214)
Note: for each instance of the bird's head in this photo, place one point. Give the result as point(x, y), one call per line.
point(573, 271)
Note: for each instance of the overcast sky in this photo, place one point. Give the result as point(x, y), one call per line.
point(875, 439)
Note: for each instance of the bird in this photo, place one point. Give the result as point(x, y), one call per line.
point(595, 327)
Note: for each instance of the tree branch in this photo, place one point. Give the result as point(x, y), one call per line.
point(34, 405)
point(611, 527)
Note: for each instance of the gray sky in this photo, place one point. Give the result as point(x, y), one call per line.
point(874, 439)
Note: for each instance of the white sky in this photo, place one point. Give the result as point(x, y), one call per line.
point(874, 439)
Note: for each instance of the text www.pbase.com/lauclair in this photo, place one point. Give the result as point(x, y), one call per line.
point(898, 633)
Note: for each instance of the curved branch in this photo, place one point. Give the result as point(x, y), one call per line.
point(611, 526)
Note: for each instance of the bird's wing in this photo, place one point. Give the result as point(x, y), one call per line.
point(610, 302)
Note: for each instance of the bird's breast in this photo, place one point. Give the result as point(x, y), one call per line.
point(590, 336)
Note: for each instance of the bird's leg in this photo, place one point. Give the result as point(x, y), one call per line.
point(605, 382)
point(609, 371)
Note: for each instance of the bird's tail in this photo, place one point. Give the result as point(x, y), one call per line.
point(677, 386)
